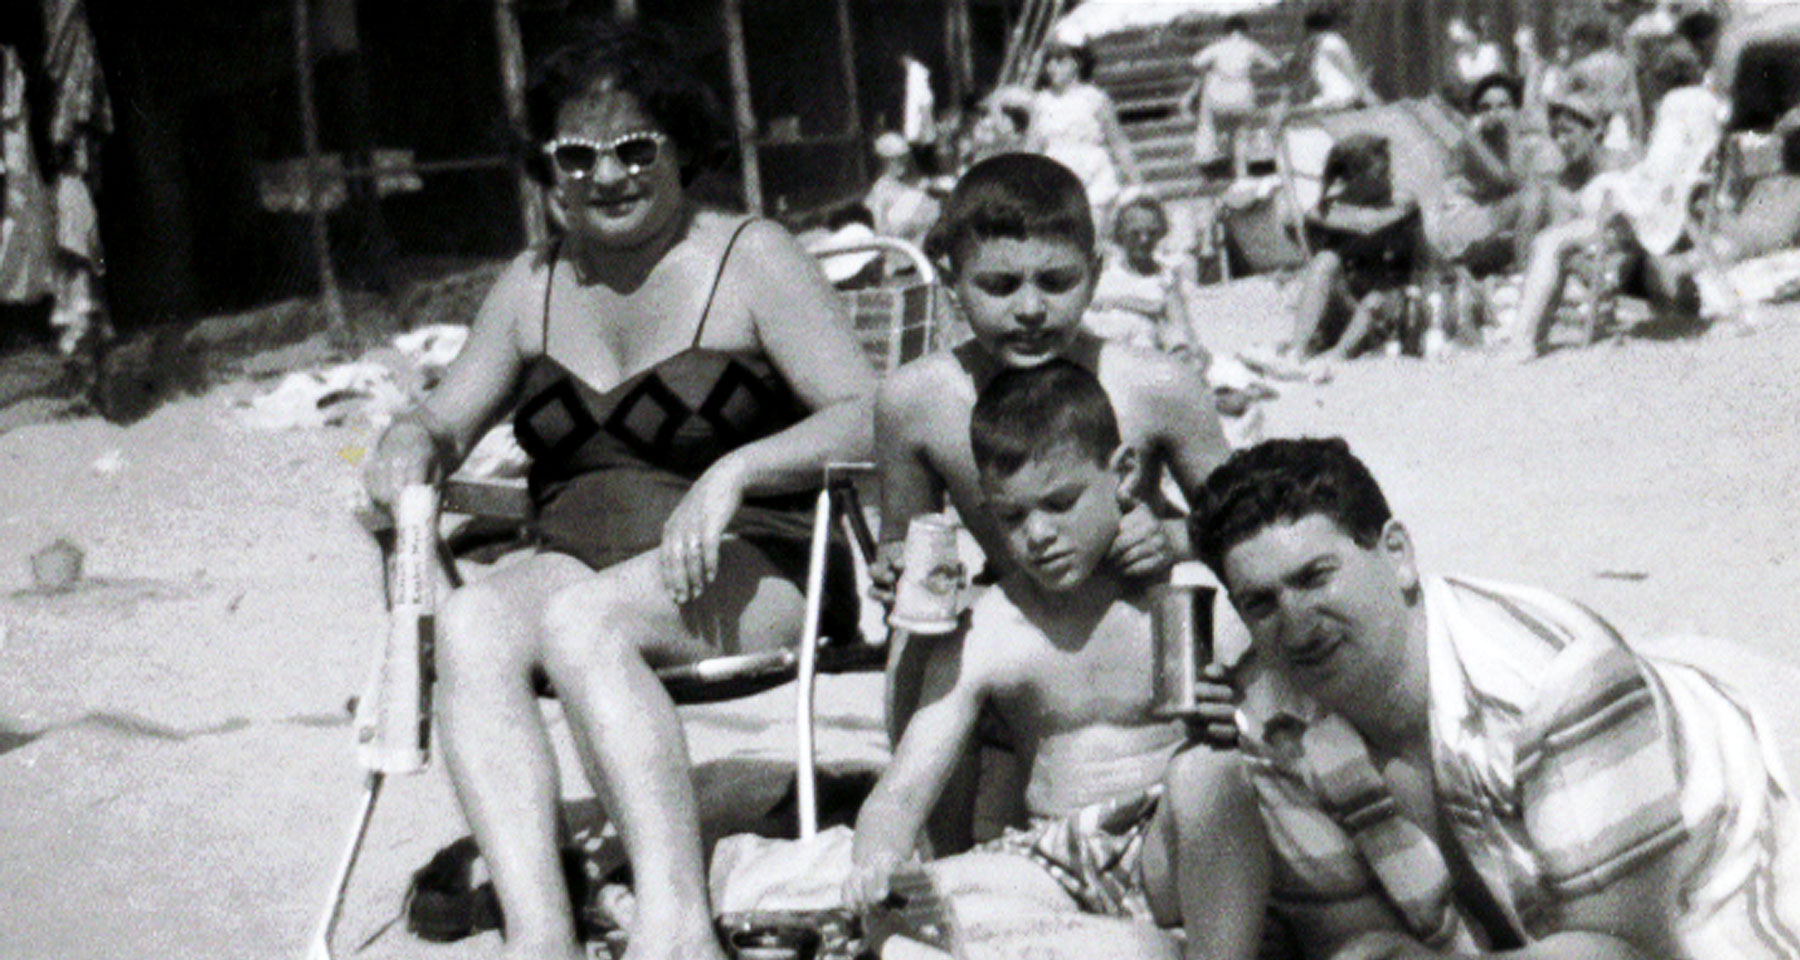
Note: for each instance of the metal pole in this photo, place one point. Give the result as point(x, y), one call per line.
point(512, 91)
point(957, 50)
point(847, 65)
point(309, 132)
point(741, 110)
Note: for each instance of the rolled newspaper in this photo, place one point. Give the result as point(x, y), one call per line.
point(393, 716)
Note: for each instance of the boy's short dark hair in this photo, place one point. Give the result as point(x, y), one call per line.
point(641, 61)
point(1236, 23)
point(1026, 413)
point(1012, 196)
point(1321, 17)
point(1505, 81)
point(1285, 481)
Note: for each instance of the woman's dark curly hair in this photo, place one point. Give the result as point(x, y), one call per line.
point(637, 60)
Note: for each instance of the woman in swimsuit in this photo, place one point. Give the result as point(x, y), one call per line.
point(686, 374)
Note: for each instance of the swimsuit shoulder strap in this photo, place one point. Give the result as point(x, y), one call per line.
point(725, 258)
point(549, 283)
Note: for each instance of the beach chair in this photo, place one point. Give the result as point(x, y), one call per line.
point(894, 323)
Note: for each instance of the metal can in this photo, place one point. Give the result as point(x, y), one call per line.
point(928, 598)
point(1182, 637)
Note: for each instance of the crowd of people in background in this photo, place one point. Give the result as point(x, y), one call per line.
point(1594, 148)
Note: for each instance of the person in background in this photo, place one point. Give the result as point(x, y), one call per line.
point(1607, 76)
point(1368, 243)
point(1339, 81)
point(1496, 198)
point(1626, 215)
point(1139, 301)
point(1074, 123)
point(1223, 97)
point(1473, 55)
point(901, 205)
point(1452, 767)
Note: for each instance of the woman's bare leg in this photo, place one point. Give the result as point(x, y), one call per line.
point(499, 757)
point(602, 638)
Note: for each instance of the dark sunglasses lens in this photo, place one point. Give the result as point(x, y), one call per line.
point(637, 152)
point(575, 159)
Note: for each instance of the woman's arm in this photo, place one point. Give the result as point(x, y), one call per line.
point(437, 434)
point(804, 330)
point(909, 485)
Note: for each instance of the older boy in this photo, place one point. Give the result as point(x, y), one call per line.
point(1455, 767)
point(1017, 237)
point(1061, 651)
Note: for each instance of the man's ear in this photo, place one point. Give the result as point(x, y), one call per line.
point(1125, 466)
point(1396, 545)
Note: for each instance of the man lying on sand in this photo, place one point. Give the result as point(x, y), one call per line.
point(1455, 767)
point(1061, 650)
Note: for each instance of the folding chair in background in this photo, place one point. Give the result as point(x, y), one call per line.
point(895, 323)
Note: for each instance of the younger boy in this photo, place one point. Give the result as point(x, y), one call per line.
point(1061, 652)
point(1017, 238)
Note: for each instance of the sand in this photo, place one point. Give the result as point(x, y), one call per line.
point(181, 773)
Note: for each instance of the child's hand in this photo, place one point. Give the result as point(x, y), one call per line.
point(867, 885)
point(885, 571)
point(1142, 548)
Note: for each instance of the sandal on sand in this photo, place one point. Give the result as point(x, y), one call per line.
point(443, 905)
point(440, 901)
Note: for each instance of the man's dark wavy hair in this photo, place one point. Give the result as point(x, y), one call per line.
point(1024, 414)
point(1012, 196)
point(640, 60)
point(1282, 482)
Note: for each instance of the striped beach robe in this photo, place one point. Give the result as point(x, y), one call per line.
point(1562, 761)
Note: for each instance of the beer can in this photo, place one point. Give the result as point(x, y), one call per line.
point(1182, 638)
point(929, 596)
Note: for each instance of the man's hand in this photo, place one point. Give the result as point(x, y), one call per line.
point(1214, 720)
point(1142, 548)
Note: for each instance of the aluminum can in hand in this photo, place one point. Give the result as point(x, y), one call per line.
point(1182, 635)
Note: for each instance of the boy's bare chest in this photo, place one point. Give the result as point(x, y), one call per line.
point(1108, 679)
